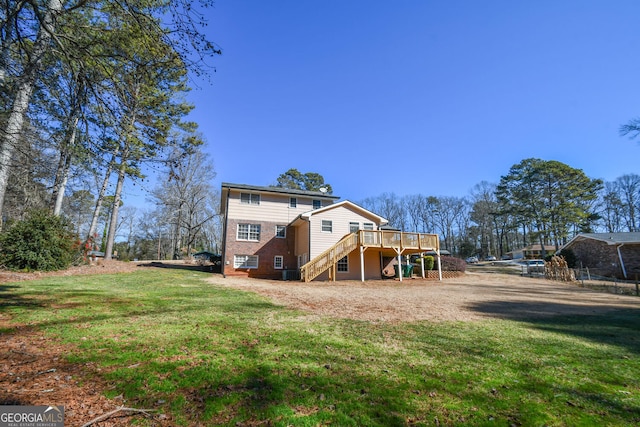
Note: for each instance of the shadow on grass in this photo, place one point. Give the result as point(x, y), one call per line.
point(267, 393)
point(603, 324)
point(9, 298)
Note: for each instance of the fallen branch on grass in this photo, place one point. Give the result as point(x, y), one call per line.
point(115, 411)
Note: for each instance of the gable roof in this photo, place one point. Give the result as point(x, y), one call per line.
point(343, 204)
point(608, 238)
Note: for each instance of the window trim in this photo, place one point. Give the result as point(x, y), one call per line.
point(275, 262)
point(293, 202)
point(316, 203)
point(249, 232)
point(326, 226)
point(250, 198)
point(245, 263)
point(344, 261)
point(284, 234)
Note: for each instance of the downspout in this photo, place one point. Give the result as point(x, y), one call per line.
point(224, 235)
point(309, 240)
point(624, 270)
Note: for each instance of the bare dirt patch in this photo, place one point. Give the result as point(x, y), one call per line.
point(34, 372)
point(101, 267)
point(474, 296)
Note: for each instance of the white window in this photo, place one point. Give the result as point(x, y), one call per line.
point(245, 261)
point(367, 226)
point(249, 232)
point(293, 202)
point(250, 198)
point(281, 231)
point(353, 227)
point(278, 261)
point(343, 265)
point(327, 226)
point(317, 204)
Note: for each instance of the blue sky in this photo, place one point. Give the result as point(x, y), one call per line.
point(419, 97)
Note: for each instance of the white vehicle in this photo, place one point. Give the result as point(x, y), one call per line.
point(534, 266)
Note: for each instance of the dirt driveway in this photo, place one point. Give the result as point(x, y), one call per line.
point(474, 296)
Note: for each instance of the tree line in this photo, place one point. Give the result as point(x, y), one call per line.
point(91, 96)
point(536, 202)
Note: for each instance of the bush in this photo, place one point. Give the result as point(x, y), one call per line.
point(450, 263)
point(428, 262)
point(42, 242)
point(570, 257)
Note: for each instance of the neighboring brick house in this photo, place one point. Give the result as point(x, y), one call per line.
point(279, 233)
point(607, 254)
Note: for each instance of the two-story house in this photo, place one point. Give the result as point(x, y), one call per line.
point(273, 232)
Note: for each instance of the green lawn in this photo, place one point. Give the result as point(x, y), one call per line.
point(168, 340)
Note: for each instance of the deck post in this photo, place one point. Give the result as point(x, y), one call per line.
point(422, 263)
point(362, 263)
point(439, 265)
point(400, 266)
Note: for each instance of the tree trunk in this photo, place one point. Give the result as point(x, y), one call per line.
point(100, 199)
point(71, 130)
point(13, 129)
point(62, 176)
point(113, 223)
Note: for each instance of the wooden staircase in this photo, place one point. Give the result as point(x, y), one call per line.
point(399, 242)
point(329, 258)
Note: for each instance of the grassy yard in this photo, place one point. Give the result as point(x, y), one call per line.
point(168, 340)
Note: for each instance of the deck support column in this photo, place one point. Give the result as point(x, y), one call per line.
point(362, 263)
point(400, 266)
point(422, 263)
point(439, 265)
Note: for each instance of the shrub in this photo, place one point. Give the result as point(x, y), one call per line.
point(428, 262)
point(570, 257)
point(450, 263)
point(41, 242)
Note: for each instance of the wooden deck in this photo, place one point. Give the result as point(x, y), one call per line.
point(394, 242)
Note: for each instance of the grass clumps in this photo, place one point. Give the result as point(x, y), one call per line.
point(212, 355)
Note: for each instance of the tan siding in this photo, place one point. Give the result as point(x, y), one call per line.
point(340, 217)
point(275, 207)
point(371, 266)
point(371, 271)
point(302, 240)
